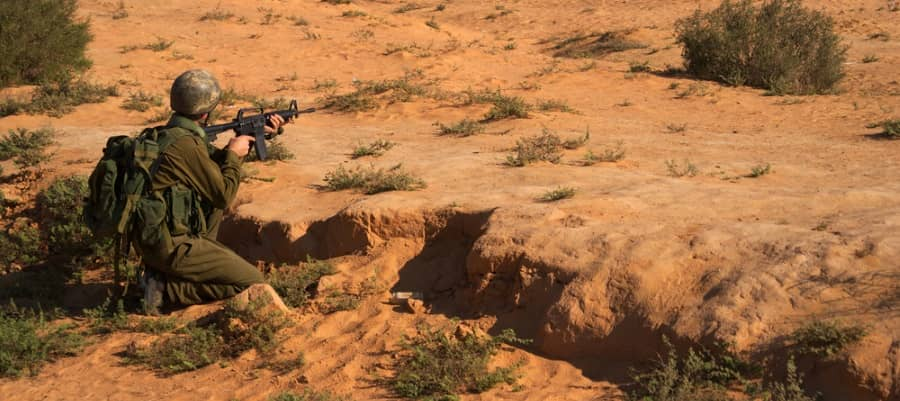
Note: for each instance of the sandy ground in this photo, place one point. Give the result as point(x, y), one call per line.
point(593, 279)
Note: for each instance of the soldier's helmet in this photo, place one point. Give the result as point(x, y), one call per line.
point(195, 92)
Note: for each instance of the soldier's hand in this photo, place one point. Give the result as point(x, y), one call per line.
point(240, 145)
point(275, 121)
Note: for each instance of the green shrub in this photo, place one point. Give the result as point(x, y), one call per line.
point(596, 45)
point(27, 342)
point(555, 105)
point(307, 395)
point(791, 389)
point(105, 319)
point(780, 46)
point(507, 107)
point(698, 376)
point(192, 347)
point(376, 148)
point(20, 245)
point(41, 42)
point(296, 284)
point(891, 128)
point(544, 147)
point(685, 169)
point(436, 365)
point(557, 194)
point(823, 338)
point(22, 141)
point(372, 181)
point(57, 99)
point(365, 97)
point(610, 155)
point(68, 239)
point(464, 127)
point(141, 101)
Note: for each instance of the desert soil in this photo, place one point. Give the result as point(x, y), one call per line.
point(595, 280)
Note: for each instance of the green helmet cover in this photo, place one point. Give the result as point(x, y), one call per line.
point(195, 92)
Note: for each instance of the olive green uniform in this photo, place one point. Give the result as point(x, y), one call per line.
point(197, 181)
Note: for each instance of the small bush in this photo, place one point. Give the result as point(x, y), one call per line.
point(295, 285)
point(307, 395)
point(557, 194)
point(891, 128)
point(608, 156)
point(555, 105)
point(697, 376)
point(376, 148)
point(437, 365)
point(21, 141)
point(464, 127)
point(760, 170)
point(353, 13)
point(433, 24)
point(507, 107)
point(338, 301)
point(106, 319)
point(217, 14)
point(68, 239)
point(141, 101)
point(791, 389)
point(596, 45)
point(639, 67)
point(27, 342)
point(686, 169)
point(57, 99)
point(364, 98)
point(192, 347)
point(160, 45)
point(20, 245)
point(372, 181)
point(41, 42)
point(408, 7)
point(544, 147)
point(780, 46)
point(825, 339)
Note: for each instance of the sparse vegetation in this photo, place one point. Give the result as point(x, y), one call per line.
point(825, 338)
point(544, 147)
point(57, 99)
point(62, 40)
point(307, 395)
point(891, 128)
point(28, 341)
point(557, 194)
point(68, 240)
point(792, 387)
point(694, 89)
point(372, 181)
point(353, 13)
point(464, 127)
point(433, 24)
point(365, 96)
point(595, 45)
point(611, 155)
point(760, 170)
point(161, 115)
point(555, 105)
point(635, 66)
point(22, 141)
point(376, 148)
point(295, 284)
point(507, 107)
point(299, 21)
point(141, 101)
point(268, 16)
point(238, 329)
point(870, 58)
point(438, 365)
point(217, 14)
point(160, 45)
point(780, 46)
point(408, 7)
point(686, 169)
point(324, 85)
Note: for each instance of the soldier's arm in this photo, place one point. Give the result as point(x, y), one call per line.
point(189, 159)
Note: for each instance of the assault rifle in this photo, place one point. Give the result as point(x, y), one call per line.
point(255, 125)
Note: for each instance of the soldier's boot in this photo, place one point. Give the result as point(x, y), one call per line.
point(154, 288)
